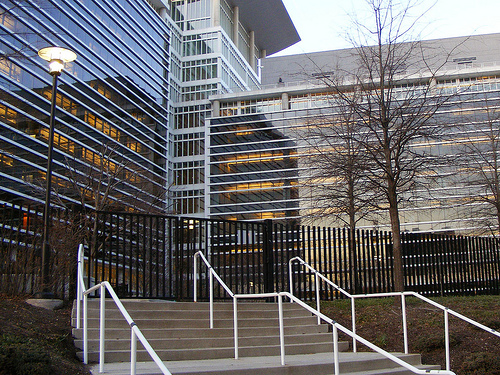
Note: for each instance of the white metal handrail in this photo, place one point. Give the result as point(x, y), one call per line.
point(335, 326)
point(211, 275)
point(403, 296)
point(82, 294)
point(317, 291)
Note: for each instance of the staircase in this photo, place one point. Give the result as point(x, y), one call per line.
point(179, 332)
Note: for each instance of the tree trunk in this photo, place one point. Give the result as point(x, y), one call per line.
point(396, 239)
point(352, 237)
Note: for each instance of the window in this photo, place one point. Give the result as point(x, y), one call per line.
point(189, 144)
point(189, 173)
point(8, 115)
point(199, 70)
point(101, 125)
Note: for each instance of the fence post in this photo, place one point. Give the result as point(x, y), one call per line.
point(178, 245)
point(267, 249)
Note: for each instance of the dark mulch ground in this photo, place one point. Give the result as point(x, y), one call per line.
point(36, 341)
point(472, 350)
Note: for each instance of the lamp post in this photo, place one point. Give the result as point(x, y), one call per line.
point(57, 57)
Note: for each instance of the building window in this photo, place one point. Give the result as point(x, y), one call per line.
point(101, 125)
point(189, 173)
point(189, 144)
point(189, 201)
point(199, 70)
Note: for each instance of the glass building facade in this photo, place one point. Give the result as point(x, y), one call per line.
point(221, 43)
point(112, 113)
point(132, 109)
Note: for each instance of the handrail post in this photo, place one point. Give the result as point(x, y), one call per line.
point(318, 302)
point(85, 331)
point(336, 349)
point(235, 325)
point(102, 328)
point(195, 277)
point(405, 326)
point(447, 339)
point(290, 277)
point(78, 299)
point(133, 352)
point(211, 286)
point(353, 322)
point(78, 286)
point(282, 329)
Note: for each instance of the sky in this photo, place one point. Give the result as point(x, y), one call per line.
point(321, 23)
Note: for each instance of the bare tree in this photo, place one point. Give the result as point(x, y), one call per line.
point(103, 185)
point(479, 158)
point(336, 165)
point(393, 108)
point(109, 182)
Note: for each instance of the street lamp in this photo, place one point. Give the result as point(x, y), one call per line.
point(57, 57)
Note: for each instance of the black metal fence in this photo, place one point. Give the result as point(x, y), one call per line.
point(21, 231)
point(147, 256)
point(151, 256)
point(451, 265)
point(253, 257)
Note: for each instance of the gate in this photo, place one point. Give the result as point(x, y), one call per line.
point(151, 256)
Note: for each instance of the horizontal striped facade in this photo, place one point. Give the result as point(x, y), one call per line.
point(261, 146)
point(112, 118)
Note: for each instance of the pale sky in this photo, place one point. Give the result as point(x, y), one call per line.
point(321, 23)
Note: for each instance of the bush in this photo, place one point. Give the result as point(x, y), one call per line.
point(22, 357)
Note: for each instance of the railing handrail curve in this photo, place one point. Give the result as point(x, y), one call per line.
point(336, 326)
point(364, 341)
point(136, 333)
point(447, 311)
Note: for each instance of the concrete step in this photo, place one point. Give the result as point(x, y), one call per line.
point(179, 331)
point(166, 322)
point(144, 305)
point(210, 342)
point(312, 364)
point(395, 371)
point(214, 353)
point(196, 314)
point(158, 305)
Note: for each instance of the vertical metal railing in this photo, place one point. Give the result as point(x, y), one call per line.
point(402, 295)
point(142, 256)
point(279, 296)
point(136, 334)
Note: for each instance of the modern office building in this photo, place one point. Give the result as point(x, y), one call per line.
point(261, 142)
point(132, 107)
point(176, 106)
point(222, 42)
point(112, 103)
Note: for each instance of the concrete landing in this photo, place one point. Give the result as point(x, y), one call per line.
point(294, 364)
point(49, 304)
